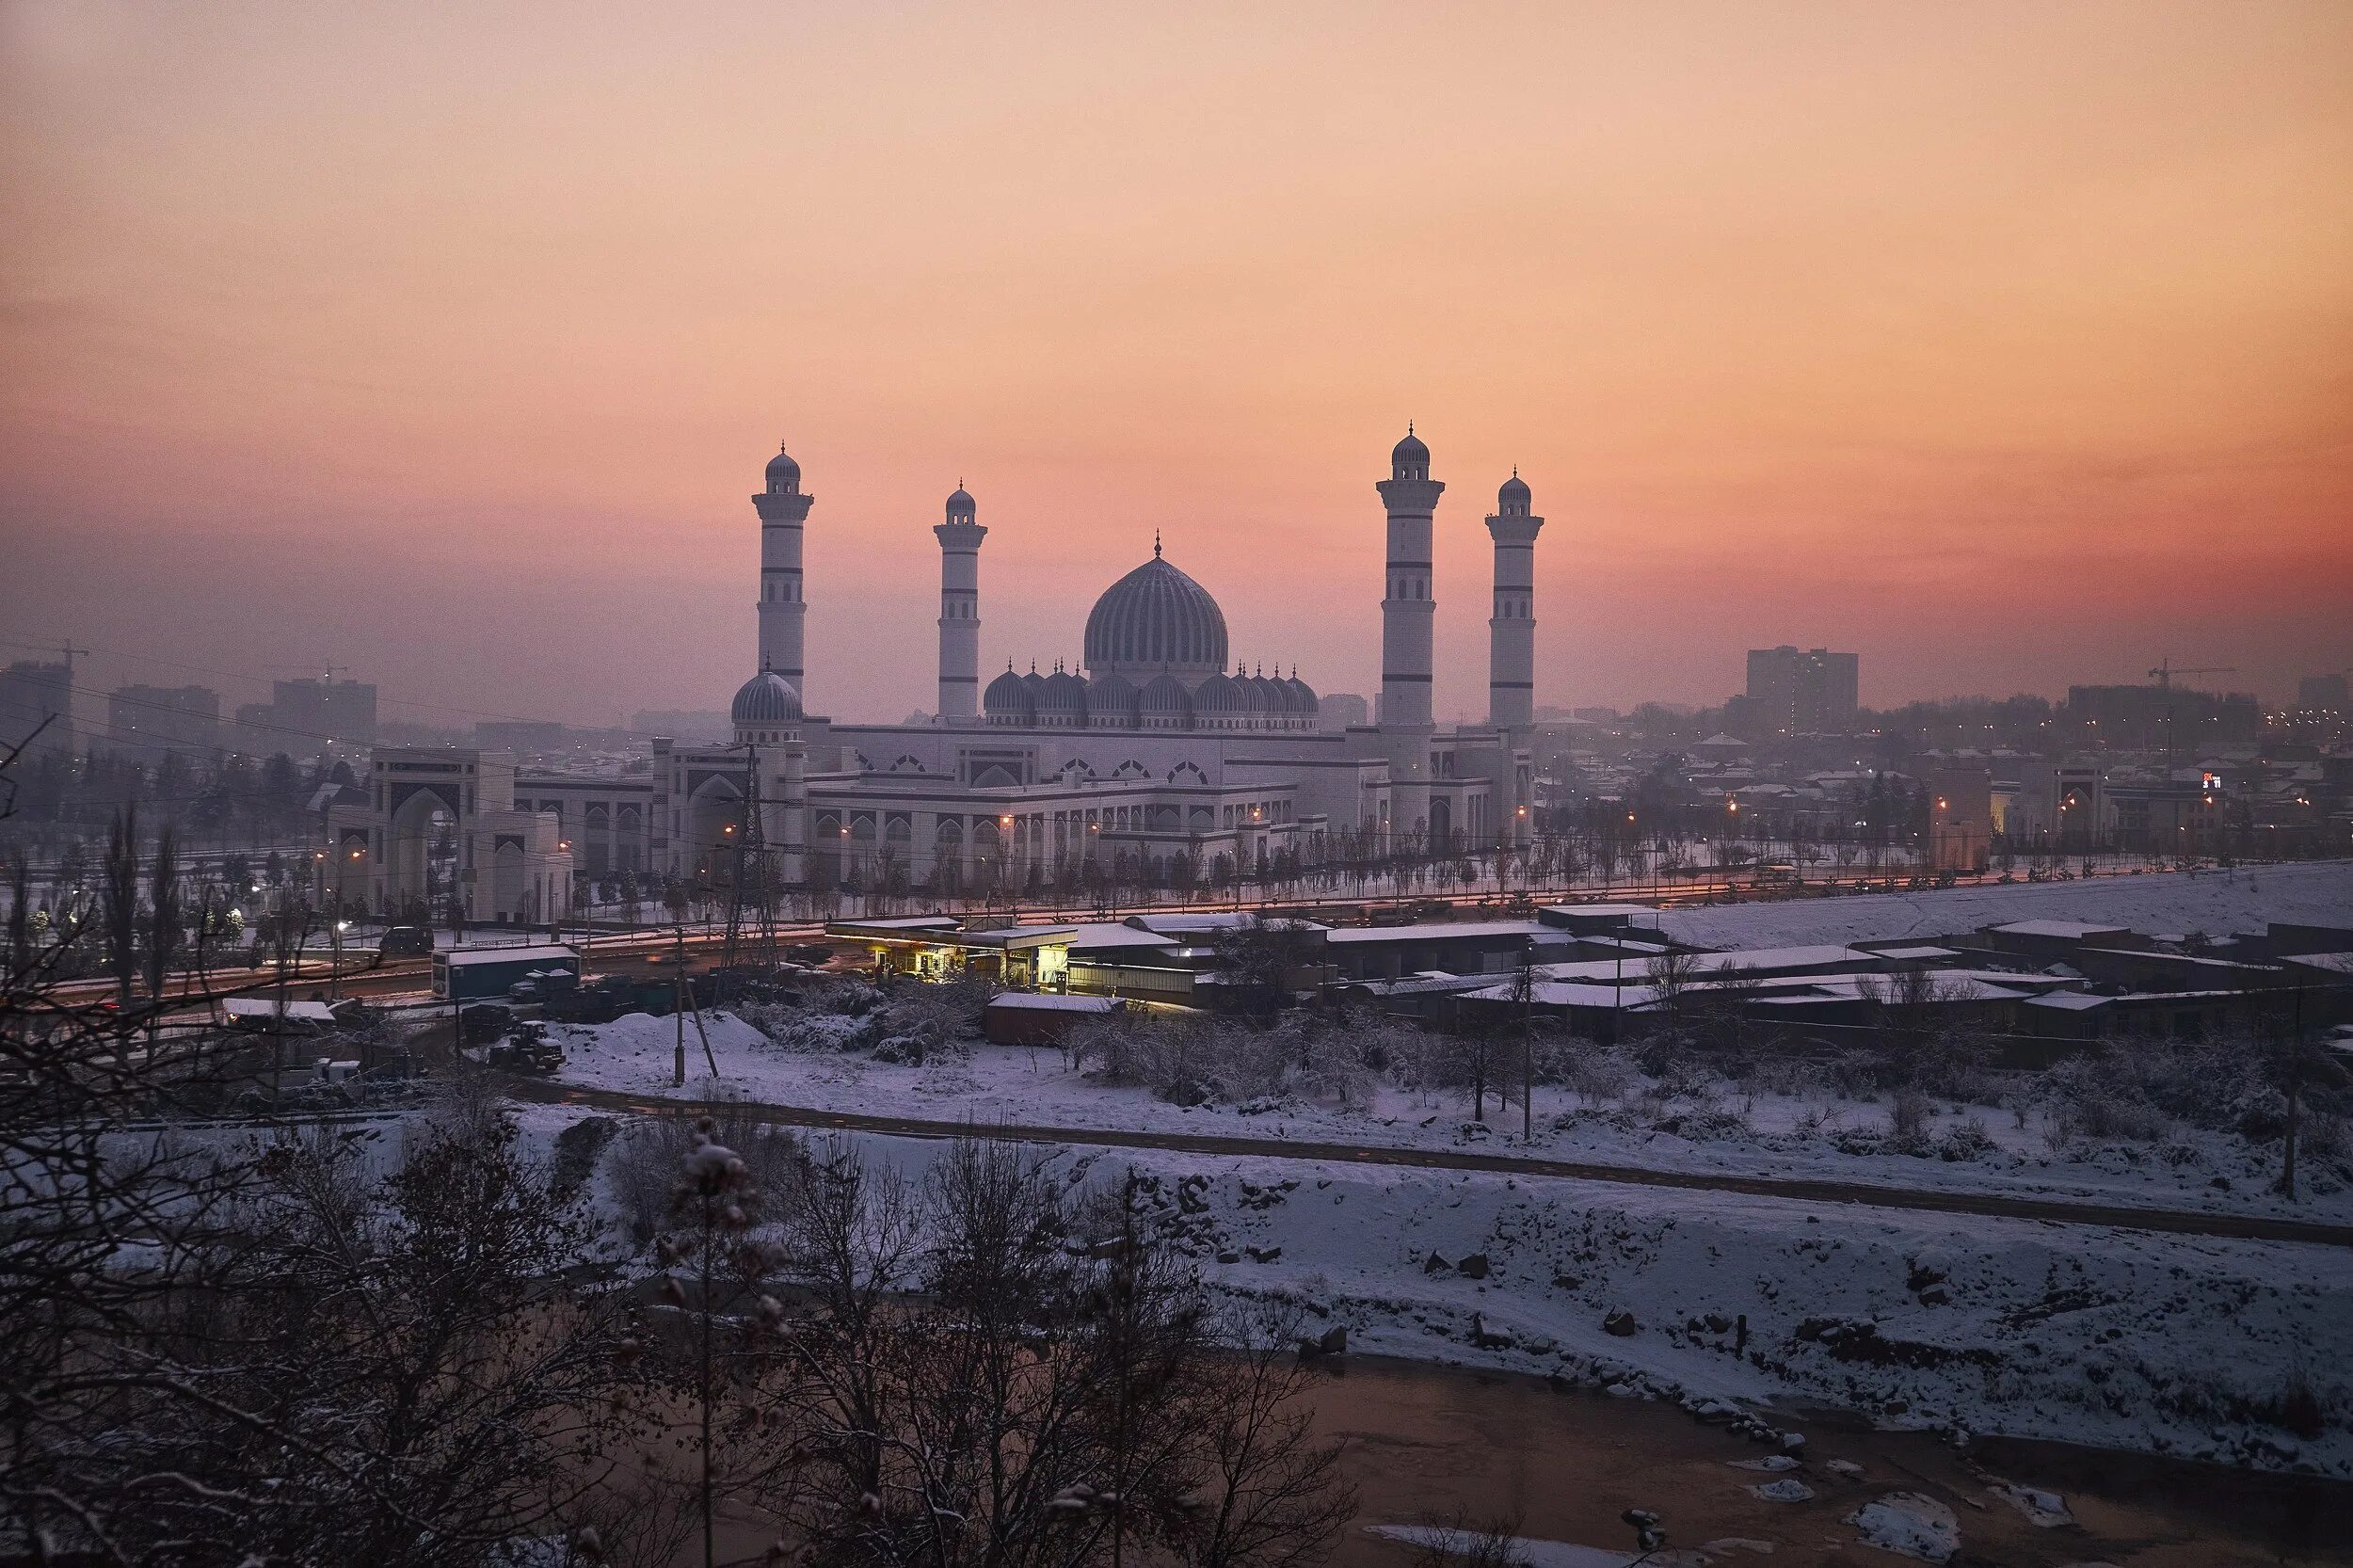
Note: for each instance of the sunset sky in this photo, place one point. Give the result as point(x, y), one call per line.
point(2009, 346)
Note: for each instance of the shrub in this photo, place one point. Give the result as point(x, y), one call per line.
point(643, 1162)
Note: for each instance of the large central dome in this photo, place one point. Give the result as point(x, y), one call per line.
point(1156, 618)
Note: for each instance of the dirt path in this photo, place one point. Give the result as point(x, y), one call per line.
point(2242, 1228)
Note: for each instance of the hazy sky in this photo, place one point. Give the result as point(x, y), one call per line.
point(2007, 345)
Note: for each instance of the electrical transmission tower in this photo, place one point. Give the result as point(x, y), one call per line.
point(754, 874)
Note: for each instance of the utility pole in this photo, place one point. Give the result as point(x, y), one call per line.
point(2296, 1094)
point(1527, 1042)
point(678, 1012)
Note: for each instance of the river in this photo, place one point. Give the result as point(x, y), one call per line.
point(1429, 1441)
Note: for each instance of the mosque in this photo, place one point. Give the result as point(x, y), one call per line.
point(1160, 747)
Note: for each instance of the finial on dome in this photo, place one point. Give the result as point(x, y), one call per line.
point(1156, 544)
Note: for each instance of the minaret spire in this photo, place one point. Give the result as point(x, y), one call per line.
point(960, 538)
point(783, 508)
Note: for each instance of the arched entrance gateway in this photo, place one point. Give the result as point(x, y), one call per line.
point(441, 824)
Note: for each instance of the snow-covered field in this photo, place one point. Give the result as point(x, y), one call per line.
point(1734, 1132)
point(2235, 1352)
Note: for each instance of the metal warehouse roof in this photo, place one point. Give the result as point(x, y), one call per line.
point(464, 957)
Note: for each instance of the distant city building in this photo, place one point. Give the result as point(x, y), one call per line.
point(31, 692)
point(308, 711)
point(1961, 817)
point(1342, 710)
point(684, 724)
point(2156, 718)
point(155, 719)
point(343, 708)
point(521, 735)
point(1800, 692)
point(2322, 693)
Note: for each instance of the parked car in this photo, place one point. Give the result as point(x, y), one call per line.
point(405, 942)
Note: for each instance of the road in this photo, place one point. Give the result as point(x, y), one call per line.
point(649, 950)
point(2240, 1228)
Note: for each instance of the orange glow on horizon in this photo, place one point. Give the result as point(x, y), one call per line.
point(2007, 346)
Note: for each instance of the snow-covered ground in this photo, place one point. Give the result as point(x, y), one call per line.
point(1731, 1131)
point(2235, 1352)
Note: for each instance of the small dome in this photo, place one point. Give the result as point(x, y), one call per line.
point(1302, 695)
point(1008, 699)
point(782, 466)
point(765, 701)
point(1514, 489)
point(1063, 693)
point(1409, 450)
point(1165, 697)
point(959, 506)
point(1111, 703)
point(1220, 695)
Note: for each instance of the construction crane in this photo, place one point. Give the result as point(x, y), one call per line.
point(2165, 671)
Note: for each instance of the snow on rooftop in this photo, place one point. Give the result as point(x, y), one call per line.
point(1447, 931)
point(2073, 931)
point(2314, 893)
point(1027, 1001)
point(543, 953)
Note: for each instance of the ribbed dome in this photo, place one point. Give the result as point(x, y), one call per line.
point(1268, 697)
point(1063, 693)
point(1163, 697)
point(1007, 700)
point(766, 699)
point(1155, 618)
point(1304, 698)
point(959, 506)
point(1514, 489)
point(1220, 695)
point(1409, 458)
point(1111, 703)
point(782, 466)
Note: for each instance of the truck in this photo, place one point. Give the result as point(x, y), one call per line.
point(479, 974)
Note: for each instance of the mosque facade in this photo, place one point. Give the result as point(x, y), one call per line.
point(1159, 746)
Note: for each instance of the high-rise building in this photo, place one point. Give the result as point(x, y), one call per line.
point(345, 710)
point(1342, 710)
point(303, 714)
point(1800, 692)
point(2322, 693)
point(154, 719)
point(31, 691)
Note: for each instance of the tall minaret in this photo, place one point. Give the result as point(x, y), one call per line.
point(959, 539)
point(1511, 629)
point(782, 510)
point(1407, 611)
